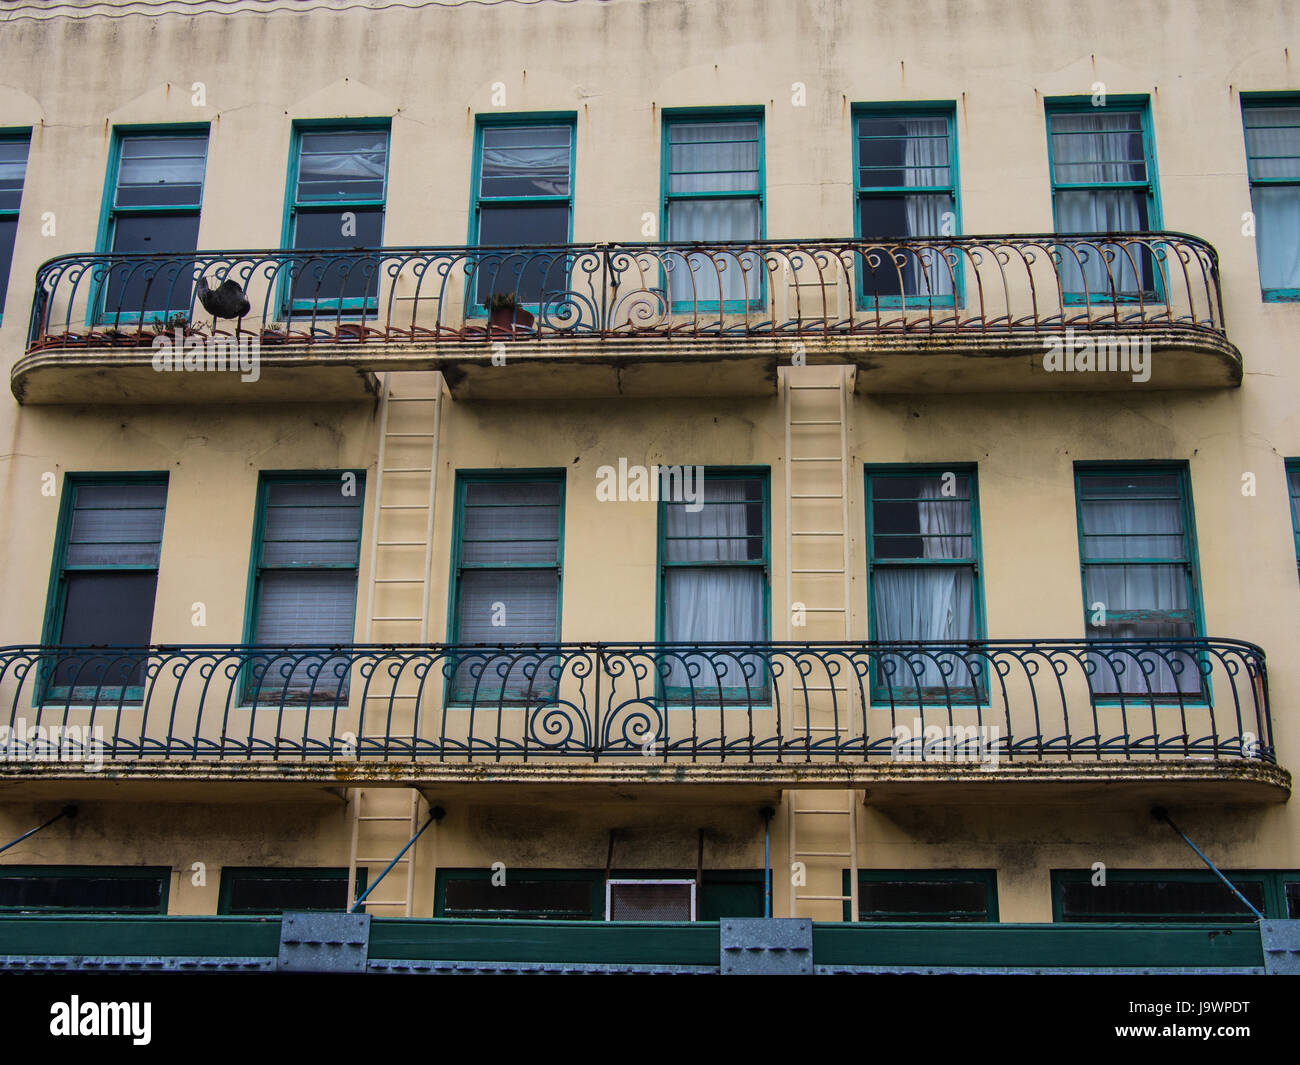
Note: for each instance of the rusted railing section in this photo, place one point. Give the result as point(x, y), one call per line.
point(977, 285)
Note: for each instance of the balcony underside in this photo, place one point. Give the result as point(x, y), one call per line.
point(1182, 781)
point(648, 366)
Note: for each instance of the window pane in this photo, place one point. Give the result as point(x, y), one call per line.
point(895, 152)
point(342, 167)
point(1093, 149)
point(253, 892)
point(509, 606)
point(560, 900)
point(152, 286)
point(161, 171)
point(105, 610)
point(525, 161)
point(311, 523)
point(511, 522)
point(726, 526)
point(923, 900)
point(1293, 900)
point(1273, 142)
point(102, 893)
point(1277, 235)
point(306, 607)
point(1158, 900)
point(13, 169)
point(8, 231)
point(913, 517)
point(713, 157)
point(116, 524)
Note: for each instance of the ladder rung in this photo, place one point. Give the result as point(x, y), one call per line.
point(408, 469)
point(839, 571)
point(399, 580)
point(810, 810)
point(400, 543)
point(382, 617)
point(426, 436)
point(367, 861)
point(385, 817)
point(412, 399)
point(822, 854)
point(403, 506)
point(824, 609)
point(822, 898)
point(818, 422)
point(816, 532)
point(816, 495)
point(819, 458)
point(813, 388)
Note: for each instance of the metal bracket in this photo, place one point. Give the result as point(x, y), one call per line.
point(757, 946)
point(324, 943)
point(1281, 943)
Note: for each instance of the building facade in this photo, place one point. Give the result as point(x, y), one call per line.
point(640, 445)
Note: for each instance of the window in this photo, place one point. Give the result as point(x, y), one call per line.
point(925, 895)
point(923, 578)
point(83, 889)
point(1171, 895)
point(270, 891)
point(713, 192)
point(906, 188)
point(1137, 548)
point(713, 556)
point(103, 584)
point(581, 894)
point(1103, 181)
point(306, 543)
point(337, 191)
point(508, 553)
point(1273, 165)
point(13, 171)
point(155, 193)
point(523, 195)
point(1293, 490)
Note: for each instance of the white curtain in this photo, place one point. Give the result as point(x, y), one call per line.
point(926, 164)
point(1122, 529)
point(711, 604)
point(930, 603)
point(1273, 142)
point(1102, 155)
point(718, 157)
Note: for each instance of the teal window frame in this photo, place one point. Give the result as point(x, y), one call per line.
point(1272, 884)
point(679, 698)
point(465, 478)
point(718, 886)
point(1249, 101)
point(874, 474)
point(252, 600)
point(13, 136)
point(482, 122)
point(1190, 560)
point(946, 110)
point(672, 116)
point(162, 874)
point(1291, 469)
point(294, 207)
point(1141, 103)
point(987, 878)
point(110, 213)
point(231, 874)
point(56, 593)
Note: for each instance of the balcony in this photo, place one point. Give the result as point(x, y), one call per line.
point(962, 314)
point(986, 721)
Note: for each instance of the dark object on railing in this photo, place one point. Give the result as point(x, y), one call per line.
point(225, 301)
point(966, 286)
point(975, 702)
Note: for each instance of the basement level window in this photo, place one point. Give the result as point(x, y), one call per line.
point(926, 895)
point(254, 891)
point(83, 889)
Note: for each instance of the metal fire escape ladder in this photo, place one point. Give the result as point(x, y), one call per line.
point(819, 597)
point(397, 607)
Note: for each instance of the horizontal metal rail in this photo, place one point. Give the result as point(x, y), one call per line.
point(787, 702)
point(975, 285)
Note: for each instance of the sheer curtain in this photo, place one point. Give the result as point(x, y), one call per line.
point(925, 161)
point(711, 604)
point(1101, 156)
point(1125, 529)
point(546, 168)
point(1273, 140)
point(930, 603)
point(711, 158)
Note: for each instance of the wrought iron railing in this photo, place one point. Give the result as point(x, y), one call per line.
point(967, 286)
point(974, 702)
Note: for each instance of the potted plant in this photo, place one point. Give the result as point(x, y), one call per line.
point(504, 315)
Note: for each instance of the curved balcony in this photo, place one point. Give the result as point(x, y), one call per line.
point(970, 720)
point(960, 314)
